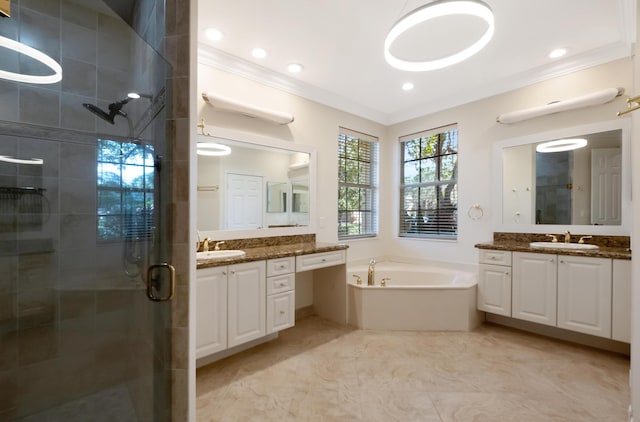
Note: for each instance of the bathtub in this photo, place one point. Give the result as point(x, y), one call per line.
point(416, 297)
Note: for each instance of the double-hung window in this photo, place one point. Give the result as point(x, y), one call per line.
point(357, 185)
point(125, 185)
point(429, 184)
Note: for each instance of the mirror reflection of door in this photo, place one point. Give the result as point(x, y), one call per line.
point(606, 186)
point(244, 202)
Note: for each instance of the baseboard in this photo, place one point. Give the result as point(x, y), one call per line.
point(304, 312)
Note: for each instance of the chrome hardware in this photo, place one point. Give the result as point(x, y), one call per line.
point(154, 282)
point(553, 237)
point(358, 279)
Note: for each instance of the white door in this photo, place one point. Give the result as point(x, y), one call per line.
point(584, 294)
point(494, 289)
point(621, 300)
point(534, 287)
point(247, 301)
point(211, 311)
point(244, 202)
point(606, 186)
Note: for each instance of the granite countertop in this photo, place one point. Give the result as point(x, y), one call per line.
point(260, 253)
point(615, 252)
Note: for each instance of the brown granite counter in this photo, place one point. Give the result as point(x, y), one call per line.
point(273, 250)
point(615, 247)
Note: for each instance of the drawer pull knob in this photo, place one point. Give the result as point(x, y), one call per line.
point(324, 260)
point(281, 312)
point(282, 266)
point(493, 257)
point(282, 284)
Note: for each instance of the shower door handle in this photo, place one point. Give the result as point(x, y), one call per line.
point(154, 282)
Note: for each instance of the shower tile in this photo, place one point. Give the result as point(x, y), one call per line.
point(8, 309)
point(114, 300)
point(9, 268)
point(78, 231)
point(73, 13)
point(8, 386)
point(79, 43)
point(74, 116)
point(80, 77)
point(113, 50)
point(46, 150)
point(10, 27)
point(51, 8)
point(36, 272)
point(8, 351)
point(8, 95)
point(77, 336)
point(112, 85)
point(9, 147)
point(37, 344)
point(78, 161)
point(77, 196)
point(40, 31)
point(36, 308)
point(177, 55)
point(39, 106)
point(76, 304)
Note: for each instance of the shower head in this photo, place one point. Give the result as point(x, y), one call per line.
point(114, 110)
point(100, 113)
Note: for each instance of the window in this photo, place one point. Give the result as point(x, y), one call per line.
point(125, 181)
point(429, 184)
point(357, 185)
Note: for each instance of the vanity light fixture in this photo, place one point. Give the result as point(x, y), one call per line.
point(232, 105)
point(561, 145)
point(34, 54)
point(433, 10)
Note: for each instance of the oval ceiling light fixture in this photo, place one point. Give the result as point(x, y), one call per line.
point(213, 34)
point(37, 55)
point(295, 67)
point(213, 149)
point(561, 145)
point(557, 53)
point(8, 159)
point(435, 10)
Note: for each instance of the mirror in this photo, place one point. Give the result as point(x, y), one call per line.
point(586, 187)
point(263, 184)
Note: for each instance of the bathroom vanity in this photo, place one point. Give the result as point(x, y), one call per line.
point(585, 291)
point(245, 300)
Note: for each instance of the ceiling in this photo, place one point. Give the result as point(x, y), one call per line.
point(340, 44)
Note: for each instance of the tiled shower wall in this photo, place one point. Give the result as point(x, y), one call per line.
point(48, 306)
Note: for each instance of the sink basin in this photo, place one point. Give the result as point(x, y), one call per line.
point(224, 254)
point(565, 246)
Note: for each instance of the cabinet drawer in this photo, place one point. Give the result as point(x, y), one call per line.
point(280, 266)
point(489, 256)
point(281, 311)
point(319, 260)
point(281, 283)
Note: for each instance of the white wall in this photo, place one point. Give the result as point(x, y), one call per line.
point(478, 131)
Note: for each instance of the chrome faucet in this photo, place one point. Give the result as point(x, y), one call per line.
point(371, 273)
point(217, 245)
point(567, 236)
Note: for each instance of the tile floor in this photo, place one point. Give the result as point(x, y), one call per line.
point(319, 371)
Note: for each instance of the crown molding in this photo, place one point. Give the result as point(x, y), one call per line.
point(231, 64)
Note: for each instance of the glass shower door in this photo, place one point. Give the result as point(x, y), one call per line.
point(85, 179)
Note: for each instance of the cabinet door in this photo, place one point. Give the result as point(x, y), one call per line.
point(211, 311)
point(621, 302)
point(494, 289)
point(247, 302)
point(281, 311)
point(584, 294)
point(534, 287)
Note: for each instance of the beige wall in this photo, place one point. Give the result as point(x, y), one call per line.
point(317, 125)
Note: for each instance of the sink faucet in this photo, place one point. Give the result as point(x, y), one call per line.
point(567, 236)
point(217, 245)
point(371, 273)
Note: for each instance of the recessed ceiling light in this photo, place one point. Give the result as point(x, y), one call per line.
point(213, 149)
point(213, 34)
point(407, 86)
point(561, 145)
point(259, 53)
point(295, 68)
point(558, 52)
point(433, 10)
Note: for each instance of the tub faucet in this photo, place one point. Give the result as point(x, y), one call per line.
point(371, 273)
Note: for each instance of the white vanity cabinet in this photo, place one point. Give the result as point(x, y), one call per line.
point(534, 287)
point(494, 282)
point(584, 294)
point(281, 295)
point(211, 310)
point(246, 287)
point(621, 300)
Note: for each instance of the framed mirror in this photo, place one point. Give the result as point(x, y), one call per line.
point(255, 188)
point(576, 178)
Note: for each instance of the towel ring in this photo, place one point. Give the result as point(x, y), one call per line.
point(475, 212)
